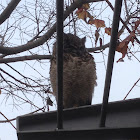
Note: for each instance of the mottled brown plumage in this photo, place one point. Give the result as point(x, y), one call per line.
point(79, 72)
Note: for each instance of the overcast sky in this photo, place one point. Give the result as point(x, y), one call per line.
point(125, 74)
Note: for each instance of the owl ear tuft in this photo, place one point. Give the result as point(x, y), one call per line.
point(65, 36)
point(83, 40)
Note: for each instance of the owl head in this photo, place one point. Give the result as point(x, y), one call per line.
point(73, 45)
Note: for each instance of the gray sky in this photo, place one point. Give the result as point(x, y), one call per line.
point(125, 74)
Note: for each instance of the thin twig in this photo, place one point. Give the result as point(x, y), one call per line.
point(131, 88)
point(41, 57)
point(7, 119)
point(24, 58)
point(134, 55)
point(122, 21)
point(126, 9)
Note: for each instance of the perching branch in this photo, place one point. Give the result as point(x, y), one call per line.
point(41, 57)
point(24, 58)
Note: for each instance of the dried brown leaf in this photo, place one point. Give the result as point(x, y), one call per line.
point(108, 31)
point(122, 47)
point(86, 6)
point(97, 22)
point(49, 101)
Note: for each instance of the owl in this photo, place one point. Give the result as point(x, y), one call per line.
point(79, 72)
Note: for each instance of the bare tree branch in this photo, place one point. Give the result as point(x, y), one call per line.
point(126, 9)
point(98, 48)
point(28, 101)
point(7, 119)
point(27, 85)
point(122, 21)
point(41, 57)
point(46, 36)
point(33, 25)
point(9, 9)
point(24, 58)
point(131, 88)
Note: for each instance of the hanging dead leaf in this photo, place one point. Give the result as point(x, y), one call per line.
point(82, 12)
point(49, 101)
point(0, 91)
point(123, 51)
point(79, 10)
point(127, 40)
point(122, 47)
point(91, 21)
point(97, 22)
point(82, 15)
point(86, 6)
point(108, 31)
